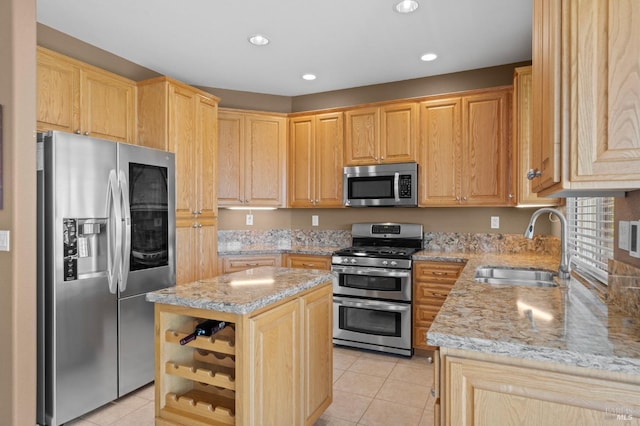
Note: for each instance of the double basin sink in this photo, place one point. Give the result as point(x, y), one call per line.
point(531, 277)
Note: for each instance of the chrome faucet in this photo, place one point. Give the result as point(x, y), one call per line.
point(564, 269)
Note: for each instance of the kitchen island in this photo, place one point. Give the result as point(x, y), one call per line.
point(534, 355)
point(272, 362)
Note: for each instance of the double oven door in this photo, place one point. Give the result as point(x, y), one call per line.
point(372, 308)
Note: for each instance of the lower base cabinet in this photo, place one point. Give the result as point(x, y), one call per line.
point(483, 390)
point(307, 261)
point(270, 367)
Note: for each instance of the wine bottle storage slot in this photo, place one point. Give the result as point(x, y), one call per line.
point(206, 373)
point(215, 358)
point(204, 404)
point(223, 342)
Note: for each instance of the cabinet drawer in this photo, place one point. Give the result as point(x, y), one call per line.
point(235, 264)
point(420, 337)
point(308, 262)
point(437, 271)
point(428, 293)
point(425, 314)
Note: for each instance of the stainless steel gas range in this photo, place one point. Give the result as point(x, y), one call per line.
point(372, 295)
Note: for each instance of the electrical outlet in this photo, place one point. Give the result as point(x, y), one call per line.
point(495, 222)
point(314, 220)
point(4, 240)
point(249, 220)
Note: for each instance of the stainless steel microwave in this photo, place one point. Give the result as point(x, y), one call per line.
point(381, 185)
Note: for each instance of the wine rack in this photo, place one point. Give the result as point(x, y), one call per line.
point(201, 382)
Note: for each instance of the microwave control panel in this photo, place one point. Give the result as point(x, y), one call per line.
point(405, 186)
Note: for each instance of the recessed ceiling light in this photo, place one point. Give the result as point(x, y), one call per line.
point(258, 40)
point(429, 57)
point(406, 6)
point(309, 77)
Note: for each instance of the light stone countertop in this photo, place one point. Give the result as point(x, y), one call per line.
point(270, 249)
point(567, 324)
point(242, 292)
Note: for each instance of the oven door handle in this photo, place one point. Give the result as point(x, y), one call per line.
point(371, 304)
point(378, 272)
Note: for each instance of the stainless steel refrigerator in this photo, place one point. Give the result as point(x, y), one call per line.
point(106, 236)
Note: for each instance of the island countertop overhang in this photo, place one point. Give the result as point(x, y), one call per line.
point(242, 292)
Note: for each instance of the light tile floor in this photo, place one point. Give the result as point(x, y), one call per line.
point(369, 388)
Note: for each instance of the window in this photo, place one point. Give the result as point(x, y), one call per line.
point(590, 222)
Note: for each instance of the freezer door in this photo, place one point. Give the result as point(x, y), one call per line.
point(80, 310)
point(147, 181)
point(136, 340)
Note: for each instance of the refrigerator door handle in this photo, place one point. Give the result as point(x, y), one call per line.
point(126, 221)
point(114, 213)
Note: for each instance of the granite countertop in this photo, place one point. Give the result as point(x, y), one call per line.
point(271, 249)
point(242, 292)
point(567, 324)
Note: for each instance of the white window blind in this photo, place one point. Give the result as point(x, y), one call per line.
point(591, 224)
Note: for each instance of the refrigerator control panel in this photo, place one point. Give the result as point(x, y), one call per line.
point(70, 249)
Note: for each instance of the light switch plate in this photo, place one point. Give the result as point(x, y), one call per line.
point(623, 235)
point(4, 240)
point(314, 220)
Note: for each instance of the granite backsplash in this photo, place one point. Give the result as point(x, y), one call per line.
point(282, 239)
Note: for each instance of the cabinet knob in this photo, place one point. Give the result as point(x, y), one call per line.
point(86, 133)
point(195, 225)
point(464, 198)
point(77, 131)
point(194, 212)
point(199, 225)
point(315, 202)
point(430, 360)
point(533, 173)
point(457, 198)
point(510, 195)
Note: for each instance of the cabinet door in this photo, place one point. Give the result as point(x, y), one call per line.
point(440, 151)
point(485, 142)
point(186, 253)
point(230, 159)
point(274, 376)
point(317, 313)
point(398, 133)
point(207, 158)
point(546, 97)
point(328, 160)
point(184, 145)
point(240, 263)
point(206, 249)
point(58, 94)
point(301, 161)
point(108, 106)
point(265, 160)
point(605, 103)
point(362, 138)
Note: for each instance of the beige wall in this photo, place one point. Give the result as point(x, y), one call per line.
point(17, 267)
point(466, 219)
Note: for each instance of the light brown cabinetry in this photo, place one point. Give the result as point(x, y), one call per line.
point(522, 140)
point(307, 261)
point(181, 119)
point(586, 108)
point(465, 152)
point(315, 160)
point(272, 366)
point(499, 392)
point(381, 134)
point(76, 97)
point(235, 263)
point(251, 159)
point(432, 282)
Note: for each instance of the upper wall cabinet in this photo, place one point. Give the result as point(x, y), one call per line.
point(251, 159)
point(79, 98)
point(522, 114)
point(381, 134)
point(465, 153)
point(315, 160)
point(585, 97)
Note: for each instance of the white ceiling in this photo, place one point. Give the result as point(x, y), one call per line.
point(346, 43)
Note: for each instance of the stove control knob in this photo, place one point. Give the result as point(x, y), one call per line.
point(353, 260)
point(337, 260)
point(394, 263)
point(384, 262)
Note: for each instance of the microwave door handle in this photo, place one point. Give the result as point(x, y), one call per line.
point(396, 186)
point(126, 221)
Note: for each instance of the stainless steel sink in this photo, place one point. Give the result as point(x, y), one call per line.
point(505, 275)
